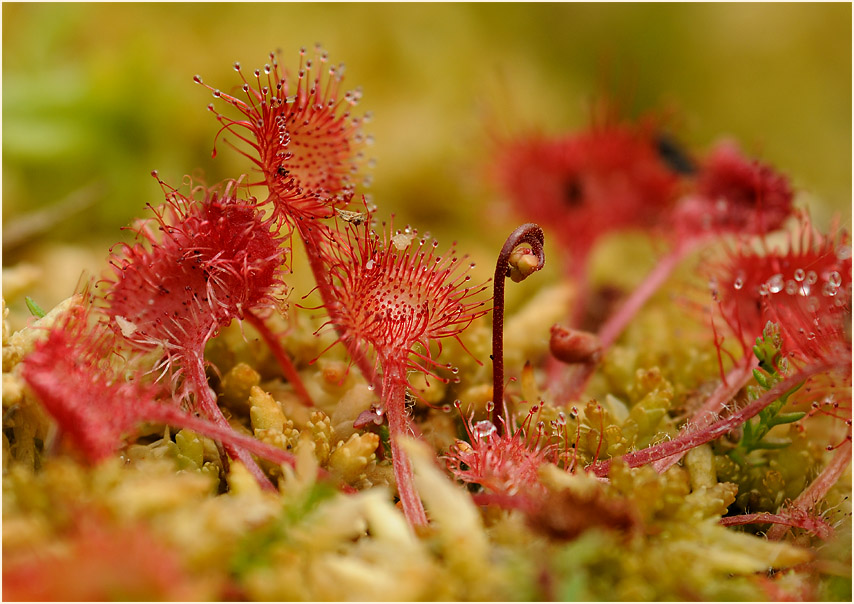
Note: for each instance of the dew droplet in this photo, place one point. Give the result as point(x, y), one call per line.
point(791, 287)
point(484, 429)
point(446, 408)
point(800, 274)
point(370, 387)
point(830, 289)
point(812, 277)
point(490, 406)
point(775, 283)
point(561, 418)
point(738, 283)
point(843, 252)
point(834, 279)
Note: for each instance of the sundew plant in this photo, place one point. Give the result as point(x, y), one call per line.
point(191, 425)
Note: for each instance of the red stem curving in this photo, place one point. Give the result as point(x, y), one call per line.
point(282, 357)
point(695, 438)
point(532, 235)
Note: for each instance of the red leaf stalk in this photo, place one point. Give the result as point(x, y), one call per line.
point(282, 357)
point(782, 522)
point(695, 438)
point(818, 488)
point(78, 375)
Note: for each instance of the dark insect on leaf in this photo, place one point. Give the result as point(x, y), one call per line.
point(672, 153)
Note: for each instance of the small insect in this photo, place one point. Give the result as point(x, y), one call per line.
point(282, 171)
point(672, 153)
point(355, 218)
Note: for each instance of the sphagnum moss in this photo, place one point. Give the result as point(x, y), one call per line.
point(651, 446)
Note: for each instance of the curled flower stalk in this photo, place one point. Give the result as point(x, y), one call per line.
point(394, 297)
point(517, 264)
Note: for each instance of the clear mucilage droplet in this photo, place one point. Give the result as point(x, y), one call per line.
point(775, 283)
point(484, 429)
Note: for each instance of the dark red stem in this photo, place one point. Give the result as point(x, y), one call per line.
point(532, 235)
point(174, 416)
point(284, 360)
point(224, 434)
point(399, 426)
point(207, 405)
point(327, 295)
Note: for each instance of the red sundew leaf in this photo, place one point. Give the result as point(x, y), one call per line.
point(394, 291)
point(300, 133)
point(505, 463)
point(79, 376)
point(206, 263)
point(734, 194)
point(588, 184)
point(73, 374)
point(803, 286)
point(215, 259)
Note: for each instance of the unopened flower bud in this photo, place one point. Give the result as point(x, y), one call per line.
point(573, 345)
point(522, 262)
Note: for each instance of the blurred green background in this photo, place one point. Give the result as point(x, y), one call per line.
point(95, 96)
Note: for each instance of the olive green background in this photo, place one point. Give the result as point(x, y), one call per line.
point(95, 96)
